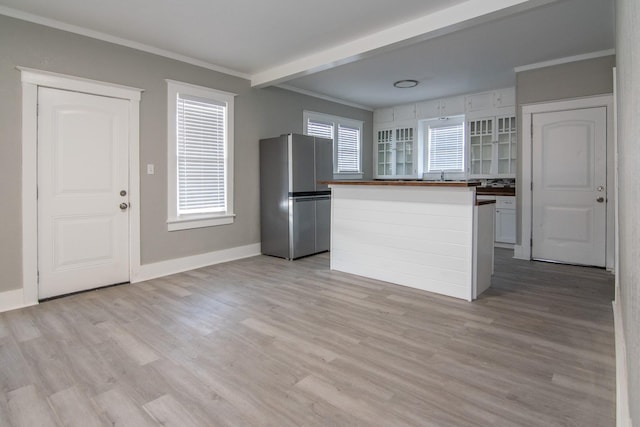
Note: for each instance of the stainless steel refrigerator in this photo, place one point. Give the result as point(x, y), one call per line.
point(295, 209)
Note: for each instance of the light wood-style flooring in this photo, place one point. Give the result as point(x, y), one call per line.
point(268, 342)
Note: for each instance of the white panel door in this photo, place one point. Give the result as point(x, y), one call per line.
point(569, 186)
point(83, 177)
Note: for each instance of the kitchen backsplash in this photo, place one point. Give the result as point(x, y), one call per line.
point(498, 182)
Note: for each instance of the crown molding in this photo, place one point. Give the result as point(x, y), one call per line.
point(59, 25)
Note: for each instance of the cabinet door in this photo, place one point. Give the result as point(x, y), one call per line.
point(506, 145)
point(385, 152)
point(404, 152)
point(396, 152)
point(428, 109)
point(506, 225)
point(492, 147)
point(480, 101)
point(481, 146)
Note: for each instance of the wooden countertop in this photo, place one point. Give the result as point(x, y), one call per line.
point(405, 183)
point(496, 191)
point(484, 202)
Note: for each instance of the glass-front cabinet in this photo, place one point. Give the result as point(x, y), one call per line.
point(506, 132)
point(396, 152)
point(481, 146)
point(492, 147)
point(385, 152)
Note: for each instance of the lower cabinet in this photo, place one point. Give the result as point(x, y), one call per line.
point(505, 219)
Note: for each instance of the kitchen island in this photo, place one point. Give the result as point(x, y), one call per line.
point(428, 235)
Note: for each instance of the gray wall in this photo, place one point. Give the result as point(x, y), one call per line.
point(566, 81)
point(260, 113)
point(628, 99)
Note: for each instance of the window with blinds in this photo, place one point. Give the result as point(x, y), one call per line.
point(445, 138)
point(200, 155)
point(320, 129)
point(348, 149)
point(347, 137)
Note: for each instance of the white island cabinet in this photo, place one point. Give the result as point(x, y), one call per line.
point(432, 236)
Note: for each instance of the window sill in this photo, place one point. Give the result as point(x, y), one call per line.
point(199, 221)
point(348, 175)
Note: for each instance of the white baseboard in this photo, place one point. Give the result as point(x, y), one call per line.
point(623, 418)
point(11, 300)
point(178, 265)
point(503, 245)
point(14, 299)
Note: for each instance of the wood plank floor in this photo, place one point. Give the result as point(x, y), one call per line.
point(267, 342)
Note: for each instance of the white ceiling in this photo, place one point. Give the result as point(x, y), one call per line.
point(351, 50)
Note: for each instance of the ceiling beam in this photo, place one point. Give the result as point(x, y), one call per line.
point(454, 18)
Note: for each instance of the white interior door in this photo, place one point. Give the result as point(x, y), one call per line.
point(83, 177)
point(569, 186)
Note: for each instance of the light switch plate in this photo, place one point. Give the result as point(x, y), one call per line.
point(150, 169)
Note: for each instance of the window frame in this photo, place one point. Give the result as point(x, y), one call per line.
point(337, 121)
point(209, 219)
point(424, 127)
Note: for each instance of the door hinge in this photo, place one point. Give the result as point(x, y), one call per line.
point(531, 242)
point(531, 185)
point(531, 129)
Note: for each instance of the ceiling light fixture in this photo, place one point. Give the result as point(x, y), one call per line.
point(404, 84)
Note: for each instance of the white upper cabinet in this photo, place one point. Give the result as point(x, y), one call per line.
point(505, 97)
point(497, 102)
point(396, 152)
point(480, 102)
point(440, 108)
point(492, 147)
point(490, 131)
point(428, 109)
point(404, 112)
point(383, 115)
point(451, 106)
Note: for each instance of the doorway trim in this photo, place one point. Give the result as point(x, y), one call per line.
point(32, 79)
point(523, 250)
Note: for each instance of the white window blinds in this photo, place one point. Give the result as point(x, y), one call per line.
point(320, 129)
point(347, 139)
point(446, 147)
point(348, 149)
point(201, 137)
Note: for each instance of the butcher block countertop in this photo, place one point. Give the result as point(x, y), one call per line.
point(405, 183)
point(496, 191)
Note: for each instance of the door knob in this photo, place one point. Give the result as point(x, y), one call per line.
point(600, 199)
point(123, 206)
